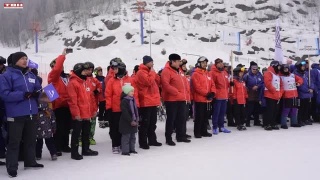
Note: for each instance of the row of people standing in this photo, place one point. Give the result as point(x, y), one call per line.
point(81, 96)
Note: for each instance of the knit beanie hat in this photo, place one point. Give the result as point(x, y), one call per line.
point(174, 57)
point(127, 88)
point(252, 63)
point(147, 59)
point(16, 56)
point(9, 60)
point(2, 60)
point(217, 61)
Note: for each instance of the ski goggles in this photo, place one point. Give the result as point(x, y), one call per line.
point(114, 64)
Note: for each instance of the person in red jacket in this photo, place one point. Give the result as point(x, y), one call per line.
point(60, 80)
point(113, 69)
point(147, 82)
point(290, 97)
point(239, 97)
point(113, 98)
point(203, 93)
point(221, 80)
point(175, 97)
point(95, 91)
point(80, 108)
point(183, 70)
point(272, 93)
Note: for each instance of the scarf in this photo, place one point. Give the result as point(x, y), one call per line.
point(133, 108)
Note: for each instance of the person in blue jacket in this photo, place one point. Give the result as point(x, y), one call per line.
point(254, 83)
point(19, 90)
point(315, 75)
point(2, 116)
point(305, 93)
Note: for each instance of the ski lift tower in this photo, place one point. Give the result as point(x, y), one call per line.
point(141, 10)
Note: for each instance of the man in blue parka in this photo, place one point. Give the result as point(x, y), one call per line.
point(254, 83)
point(19, 90)
point(2, 116)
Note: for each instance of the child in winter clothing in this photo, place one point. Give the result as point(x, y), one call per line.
point(128, 120)
point(46, 127)
point(239, 97)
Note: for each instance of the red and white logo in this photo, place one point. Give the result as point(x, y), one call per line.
point(13, 5)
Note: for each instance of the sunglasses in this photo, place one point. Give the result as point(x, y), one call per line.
point(303, 63)
point(254, 69)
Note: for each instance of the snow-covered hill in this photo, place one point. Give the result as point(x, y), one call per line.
point(187, 27)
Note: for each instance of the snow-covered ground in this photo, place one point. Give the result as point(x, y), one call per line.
point(291, 154)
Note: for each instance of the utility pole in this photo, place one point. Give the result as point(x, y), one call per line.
point(36, 30)
point(141, 10)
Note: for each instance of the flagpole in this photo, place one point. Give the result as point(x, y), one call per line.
point(309, 70)
point(309, 73)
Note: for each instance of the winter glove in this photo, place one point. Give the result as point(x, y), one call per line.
point(27, 95)
point(134, 123)
point(96, 92)
point(231, 83)
point(35, 94)
point(210, 96)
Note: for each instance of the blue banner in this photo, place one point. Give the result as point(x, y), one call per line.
point(32, 64)
point(51, 92)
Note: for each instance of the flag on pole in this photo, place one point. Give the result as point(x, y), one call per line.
point(51, 92)
point(32, 64)
point(278, 49)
